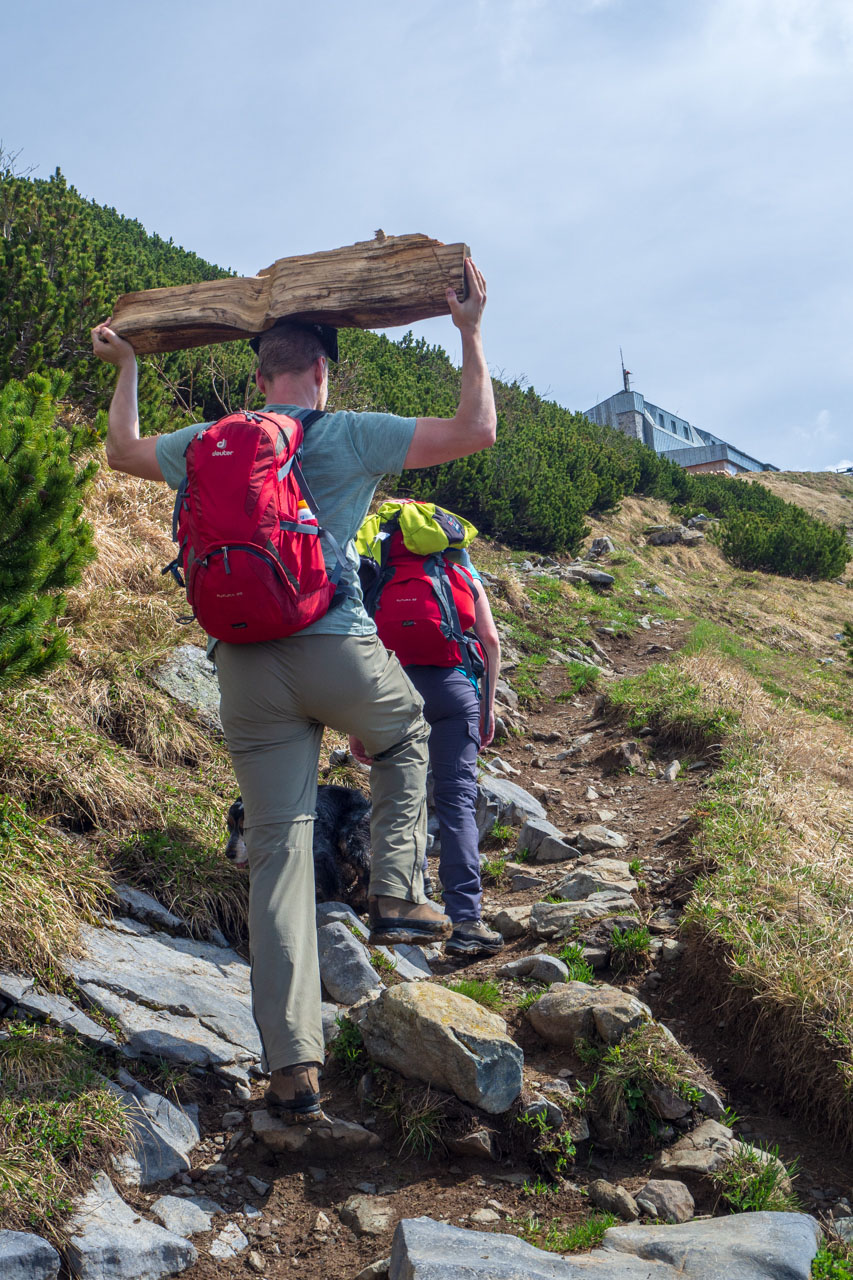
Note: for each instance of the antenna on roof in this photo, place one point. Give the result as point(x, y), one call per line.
point(626, 373)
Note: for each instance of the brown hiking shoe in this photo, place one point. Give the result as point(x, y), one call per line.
point(398, 920)
point(294, 1094)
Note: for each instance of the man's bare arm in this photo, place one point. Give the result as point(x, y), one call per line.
point(126, 449)
point(472, 427)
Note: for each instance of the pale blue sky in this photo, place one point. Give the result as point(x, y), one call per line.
point(674, 178)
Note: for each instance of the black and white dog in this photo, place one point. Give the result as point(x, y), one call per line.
point(341, 845)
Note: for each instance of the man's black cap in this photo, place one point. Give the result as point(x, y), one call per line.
point(327, 334)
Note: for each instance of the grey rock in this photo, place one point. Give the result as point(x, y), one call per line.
point(534, 832)
point(577, 1011)
point(163, 1134)
point(429, 1033)
point(416, 959)
point(110, 1241)
point(526, 880)
point(613, 1198)
point(22, 992)
point(698, 1155)
point(257, 1184)
point(671, 949)
point(506, 694)
point(143, 907)
point(228, 1243)
point(345, 966)
point(844, 1228)
point(540, 968)
point(27, 1257)
point(538, 1105)
point(403, 967)
point(550, 920)
point(512, 922)
point(368, 1215)
point(602, 547)
point(479, 1145)
point(711, 1105)
point(158, 1034)
point(484, 1217)
point(328, 1137)
point(593, 837)
point(595, 577)
point(596, 877)
point(672, 770)
point(330, 1014)
point(745, 1246)
point(188, 676)
point(553, 850)
point(182, 1216)
point(499, 800)
point(327, 912)
point(375, 1270)
point(666, 1199)
point(166, 990)
point(667, 1104)
point(748, 1246)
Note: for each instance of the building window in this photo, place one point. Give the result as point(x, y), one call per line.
point(660, 419)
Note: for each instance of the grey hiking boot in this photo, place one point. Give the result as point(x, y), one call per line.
point(473, 938)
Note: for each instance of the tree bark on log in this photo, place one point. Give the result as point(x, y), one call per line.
point(374, 284)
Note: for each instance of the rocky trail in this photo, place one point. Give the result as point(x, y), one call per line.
point(485, 1124)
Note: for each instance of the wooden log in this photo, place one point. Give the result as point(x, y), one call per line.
point(373, 284)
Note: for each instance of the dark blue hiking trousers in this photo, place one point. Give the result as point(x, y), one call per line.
point(452, 710)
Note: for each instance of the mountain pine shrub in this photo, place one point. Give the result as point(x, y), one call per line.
point(44, 541)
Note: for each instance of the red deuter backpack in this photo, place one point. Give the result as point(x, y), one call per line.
point(423, 606)
point(249, 554)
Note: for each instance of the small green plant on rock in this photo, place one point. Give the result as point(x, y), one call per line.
point(417, 1115)
point(382, 963)
point(635, 1076)
point(556, 1237)
point(347, 1048)
point(755, 1179)
point(492, 869)
point(580, 970)
point(530, 997)
point(832, 1262)
point(500, 831)
point(629, 948)
point(486, 993)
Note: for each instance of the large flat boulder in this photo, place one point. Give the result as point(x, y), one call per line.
point(746, 1246)
point(110, 1241)
point(27, 1257)
point(49, 1007)
point(441, 1037)
point(176, 998)
point(575, 1011)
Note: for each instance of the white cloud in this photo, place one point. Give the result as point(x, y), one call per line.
point(844, 465)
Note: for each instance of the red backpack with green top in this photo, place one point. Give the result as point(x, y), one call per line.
point(247, 530)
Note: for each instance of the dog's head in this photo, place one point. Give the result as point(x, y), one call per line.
point(235, 850)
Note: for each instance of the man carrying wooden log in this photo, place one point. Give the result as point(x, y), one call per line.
point(277, 696)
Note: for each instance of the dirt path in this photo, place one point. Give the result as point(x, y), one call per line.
point(299, 1231)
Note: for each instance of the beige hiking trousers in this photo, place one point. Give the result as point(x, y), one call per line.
point(275, 699)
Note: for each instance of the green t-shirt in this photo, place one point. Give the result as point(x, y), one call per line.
point(344, 457)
